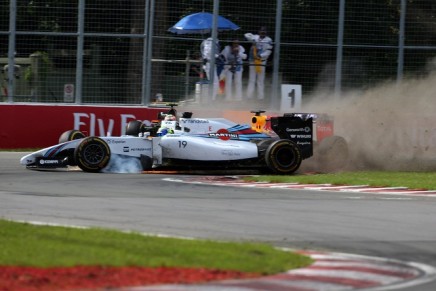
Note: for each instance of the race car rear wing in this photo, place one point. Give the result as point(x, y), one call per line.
point(295, 127)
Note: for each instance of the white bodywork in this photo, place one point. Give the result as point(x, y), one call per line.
point(188, 147)
point(195, 139)
point(203, 125)
point(124, 145)
point(187, 143)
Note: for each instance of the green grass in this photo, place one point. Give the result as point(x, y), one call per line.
point(23, 244)
point(412, 180)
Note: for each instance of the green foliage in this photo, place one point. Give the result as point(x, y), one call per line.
point(44, 67)
point(44, 246)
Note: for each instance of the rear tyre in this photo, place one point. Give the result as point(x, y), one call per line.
point(92, 154)
point(70, 135)
point(134, 127)
point(283, 157)
point(332, 154)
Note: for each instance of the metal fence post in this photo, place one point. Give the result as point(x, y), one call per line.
point(339, 50)
point(11, 49)
point(213, 52)
point(145, 54)
point(79, 53)
point(275, 101)
point(149, 54)
point(401, 36)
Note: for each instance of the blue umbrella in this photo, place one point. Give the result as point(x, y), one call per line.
point(201, 23)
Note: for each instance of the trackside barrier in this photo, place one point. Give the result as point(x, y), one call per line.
point(35, 126)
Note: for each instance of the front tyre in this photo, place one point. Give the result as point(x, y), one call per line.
point(92, 154)
point(283, 157)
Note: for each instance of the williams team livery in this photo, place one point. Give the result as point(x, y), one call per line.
point(275, 144)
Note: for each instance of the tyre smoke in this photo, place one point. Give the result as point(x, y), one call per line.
point(124, 165)
point(389, 127)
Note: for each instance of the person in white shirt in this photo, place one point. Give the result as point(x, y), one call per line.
point(233, 55)
point(260, 51)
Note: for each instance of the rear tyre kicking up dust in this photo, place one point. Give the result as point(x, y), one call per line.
point(283, 157)
point(332, 154)
point(92, 154)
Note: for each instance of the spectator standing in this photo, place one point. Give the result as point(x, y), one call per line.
point(260, 51)
point(197, 68)
point(233, 55)
point(206, 53)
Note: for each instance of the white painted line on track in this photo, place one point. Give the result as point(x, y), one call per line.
point(378, 189)
point(312, 285)
point(283, 185)
point(345, 274)
point(393, 191)
point(364, 264)
point(345, 187)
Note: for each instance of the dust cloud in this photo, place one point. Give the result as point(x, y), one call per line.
point(389, 127)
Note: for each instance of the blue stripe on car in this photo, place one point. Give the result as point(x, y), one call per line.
point(54, 151)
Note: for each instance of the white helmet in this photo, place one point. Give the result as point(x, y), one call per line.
point(170, 117)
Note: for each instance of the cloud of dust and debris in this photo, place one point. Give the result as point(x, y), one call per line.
point(389, 127)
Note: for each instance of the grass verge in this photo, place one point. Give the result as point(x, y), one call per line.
point(23, 244)
point(412, 180)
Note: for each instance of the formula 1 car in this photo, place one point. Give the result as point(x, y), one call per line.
point(189, 142)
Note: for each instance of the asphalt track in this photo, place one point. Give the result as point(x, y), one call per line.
point(400, 227)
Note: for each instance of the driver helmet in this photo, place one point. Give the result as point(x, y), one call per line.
point(170, 117)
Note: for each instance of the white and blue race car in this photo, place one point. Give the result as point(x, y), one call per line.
point(206, 143)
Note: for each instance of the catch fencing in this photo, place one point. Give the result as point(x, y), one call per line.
point(122, 52)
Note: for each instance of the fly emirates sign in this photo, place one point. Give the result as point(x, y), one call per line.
point(111, 122)
point(48, 122)
point(88, 122)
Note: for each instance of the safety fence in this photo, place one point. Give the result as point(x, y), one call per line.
point(122, 52)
